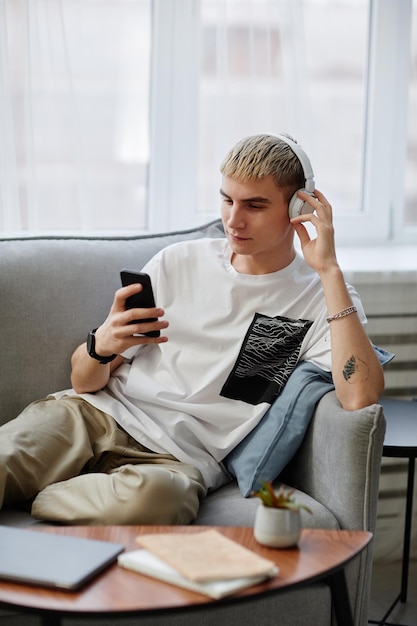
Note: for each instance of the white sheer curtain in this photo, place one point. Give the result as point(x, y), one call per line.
point(83, 106)
point(74, 89)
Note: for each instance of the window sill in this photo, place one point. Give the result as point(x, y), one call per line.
point(380, 264)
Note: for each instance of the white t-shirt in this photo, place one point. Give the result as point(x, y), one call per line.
point(199, 394)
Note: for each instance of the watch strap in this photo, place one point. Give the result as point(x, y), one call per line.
point(91, 349)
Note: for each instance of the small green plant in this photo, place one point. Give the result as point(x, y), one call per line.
point(281, 499)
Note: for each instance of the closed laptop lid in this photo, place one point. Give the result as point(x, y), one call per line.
point(52, 560)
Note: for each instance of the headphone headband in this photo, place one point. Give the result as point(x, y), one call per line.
point(304, 160)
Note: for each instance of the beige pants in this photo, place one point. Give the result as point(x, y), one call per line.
point(79, 467)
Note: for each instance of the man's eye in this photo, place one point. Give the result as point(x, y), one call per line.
point(256, 207)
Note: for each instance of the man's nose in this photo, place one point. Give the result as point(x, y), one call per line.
point(236, 219)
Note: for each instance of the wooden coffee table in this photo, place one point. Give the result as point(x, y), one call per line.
point(320, 555)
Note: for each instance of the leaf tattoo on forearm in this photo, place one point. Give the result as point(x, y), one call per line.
point(350, 368)
point(355, 366)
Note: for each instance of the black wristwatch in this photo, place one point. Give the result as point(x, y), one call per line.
point(91, 349)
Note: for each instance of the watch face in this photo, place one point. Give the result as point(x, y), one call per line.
point(90, 343)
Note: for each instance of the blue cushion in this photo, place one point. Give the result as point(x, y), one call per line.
point(264, 453)
point(384, 356)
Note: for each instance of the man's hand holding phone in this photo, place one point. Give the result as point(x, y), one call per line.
point(143, 299)
point(123, 328)
point(133, 318)
point(142, 318)
point(140, 304)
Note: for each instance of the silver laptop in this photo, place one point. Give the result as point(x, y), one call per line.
point(52, 560)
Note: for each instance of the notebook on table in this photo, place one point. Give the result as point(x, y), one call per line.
point(52, 560)
point(205, 561)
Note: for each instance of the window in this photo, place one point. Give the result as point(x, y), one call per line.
point(74, 93)
point(334, 74)
point(115, 114)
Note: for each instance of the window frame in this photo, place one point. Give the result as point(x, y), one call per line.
point(173, 163)
point(383, 203)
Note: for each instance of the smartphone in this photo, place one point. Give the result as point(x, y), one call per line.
point(142, 300)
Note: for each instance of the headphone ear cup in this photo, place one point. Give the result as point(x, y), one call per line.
point(297, 206)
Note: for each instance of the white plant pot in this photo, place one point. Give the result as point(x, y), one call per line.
point(277, 528)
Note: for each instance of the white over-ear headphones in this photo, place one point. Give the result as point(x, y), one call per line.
point(297, 206)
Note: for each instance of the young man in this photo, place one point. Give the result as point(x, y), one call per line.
point(141, 436)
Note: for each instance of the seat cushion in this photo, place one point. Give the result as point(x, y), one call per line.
point(227, 507)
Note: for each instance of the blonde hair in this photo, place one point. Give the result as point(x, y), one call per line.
point(258, 156)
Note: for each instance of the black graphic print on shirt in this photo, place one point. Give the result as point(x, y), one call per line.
point(267, 357)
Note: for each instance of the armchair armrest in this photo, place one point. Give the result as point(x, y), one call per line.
point(339, 461)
